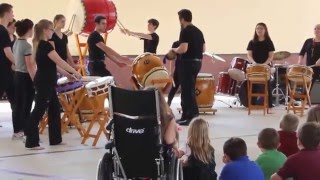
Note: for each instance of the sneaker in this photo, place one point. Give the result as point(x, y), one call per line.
point(17, 136)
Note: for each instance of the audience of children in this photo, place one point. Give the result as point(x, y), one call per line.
point(304, 165)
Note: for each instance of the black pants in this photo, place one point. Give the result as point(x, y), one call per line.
point(316, 75)
point(7, 86)
point(97, 68)
point(174, 89)
point(188, 72)
point(24, 94)
point(45, 98)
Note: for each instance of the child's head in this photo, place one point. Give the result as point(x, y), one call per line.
point(233, 149)
point(309, 136)
point(289, 122)
point(268, 139)
point(198, 140)
point(314, 114)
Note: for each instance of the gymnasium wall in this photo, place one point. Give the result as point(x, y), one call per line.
point(227, 25)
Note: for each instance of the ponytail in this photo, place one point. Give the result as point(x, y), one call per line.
point(39, 34)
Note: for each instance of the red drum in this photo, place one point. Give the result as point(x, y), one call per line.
point(85, 12)
point(226, 85)
point(238, 68)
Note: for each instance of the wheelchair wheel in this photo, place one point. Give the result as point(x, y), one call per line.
point(105, 168)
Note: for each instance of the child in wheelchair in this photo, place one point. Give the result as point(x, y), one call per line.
point(197, 155)
point(143, 138)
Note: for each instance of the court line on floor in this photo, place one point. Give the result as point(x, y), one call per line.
point(51, 152)
point(39, 175)
point(89, 149)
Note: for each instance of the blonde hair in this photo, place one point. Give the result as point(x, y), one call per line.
point(39, 34)
point(314, 114)
point(198, 140)
point(289, 122)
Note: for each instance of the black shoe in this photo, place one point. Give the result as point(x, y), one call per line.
point(184, 122)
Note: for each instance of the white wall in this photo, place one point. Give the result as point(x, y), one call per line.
point(228, 25)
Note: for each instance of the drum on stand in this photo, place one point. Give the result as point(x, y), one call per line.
point(205, 90)
point(237, 70)
point(148, 67)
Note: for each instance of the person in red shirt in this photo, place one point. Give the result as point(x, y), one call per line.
point(288, 136)
point(305, 164)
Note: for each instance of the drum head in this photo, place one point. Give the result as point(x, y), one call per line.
point(237, 74)
point(204, 75)
point(155, 74)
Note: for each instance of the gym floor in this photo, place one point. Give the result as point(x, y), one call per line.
point(75, 161)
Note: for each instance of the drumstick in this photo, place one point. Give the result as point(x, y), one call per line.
point(313, 66)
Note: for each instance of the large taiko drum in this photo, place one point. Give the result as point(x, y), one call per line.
point(205, 90)
point(148, 67)
point(85, 12)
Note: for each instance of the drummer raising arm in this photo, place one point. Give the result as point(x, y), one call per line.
point(98, 49)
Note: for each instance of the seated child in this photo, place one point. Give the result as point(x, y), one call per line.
point(197, 155)
point(314, 114)
point(288, 136)
point(238, 166)
point(304, 165)
point(271, 160)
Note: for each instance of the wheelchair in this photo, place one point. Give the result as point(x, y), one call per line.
point(136, 149)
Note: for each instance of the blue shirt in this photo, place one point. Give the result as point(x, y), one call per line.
point(241, 169)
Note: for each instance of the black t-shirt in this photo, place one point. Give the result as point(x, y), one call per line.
point(60, 45)
point(47, 70)
point(260, 50)
point(95, 53)
point(175, 45)
point(5, 63)
point(194, 37)
point(151, 45)
point(313, 51)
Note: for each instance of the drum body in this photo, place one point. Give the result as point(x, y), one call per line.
point(64, 86)
point(205, 90)
point(148, 67)
point(226, 85)
point(243, 93)
point(300, 73)
point(85, 12)
point(237, 69)
point(258, 72)
point(85, 104)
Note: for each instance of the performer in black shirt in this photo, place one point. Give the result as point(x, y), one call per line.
point(45, 81)
point(260, 51)
point(311, 47)
point(176, 86)
point(7, 59)
point(12, 29)
point(60, 40)
point(98, 49)
point(151, 40)
point(191, 48)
